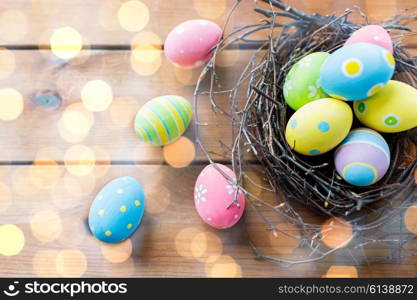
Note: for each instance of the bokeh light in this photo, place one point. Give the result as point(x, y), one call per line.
point(147, 38)
point(286, 239)
point(180, 153)
point(46, 225)
point(133, 15)
point(12, 240)
point(185, 76)
point(66, 42)
point(158, 198)
point(223, 267)
point(7, 63)
point(79, 160)
point(123, 111)
point(6, 197)
point(44, 263)
point(45, 174)
point(146, 68)
point(341, 272)
point(124, 269)
point(410, 218)
point(97, 95)
point(336, 232)
point(71, 263)
point(11, 104)
point(47, 8)
point(117, 253)
point(206, 247)
point(74, 230)
point(103, 161)
point(75, 123)
point(19, 29)
point(183, 241)
point(210, 9)
point(20, 183)
point(63, 199)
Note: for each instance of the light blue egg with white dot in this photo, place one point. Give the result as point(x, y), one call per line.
point(117, 210)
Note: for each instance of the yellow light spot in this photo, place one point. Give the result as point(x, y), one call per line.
point(75, 123)
point(11, 104)
point(71, 263)
point(124, 269)
point(410, 218)
point(101, 212)
point(46, 225)
point(107, 14)
point(137, 202)
point(20, 179)
point(341, 272)
point(45, 174)
point(183, 241)
point(390, 59)
point(117, 253)
point(123, 208)
point(133, 15)
point(210, 9)
point(146, 37)
point(180, 153)
point(146, 54)
point(44, 263)
point(129, 226)
point(96, 95)
point(223, 267)
point(206, 247)
point(336, 232)
point(12, 240)
point(66, 42)
point(13, 25)
point(7, 63)
point(108, 233)
point(79, 186)
point(79, 160)
point(6, 197)
point(145, 67)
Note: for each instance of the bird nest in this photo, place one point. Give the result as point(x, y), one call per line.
point(258, 114)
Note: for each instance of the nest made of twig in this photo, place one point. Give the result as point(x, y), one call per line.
point(259, 121)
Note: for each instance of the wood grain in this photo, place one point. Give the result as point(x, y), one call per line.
point(170, 242)
point(27, 22)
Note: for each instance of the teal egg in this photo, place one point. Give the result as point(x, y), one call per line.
point(117, 210)
point(162, 120)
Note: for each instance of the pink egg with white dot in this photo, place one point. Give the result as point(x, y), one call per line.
point(373, 34)
point(190, 44)
point(218, 199)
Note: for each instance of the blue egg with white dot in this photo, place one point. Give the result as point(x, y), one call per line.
point(117, 210)
point(356, 71)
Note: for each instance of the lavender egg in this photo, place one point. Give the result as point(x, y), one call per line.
point(363, 158)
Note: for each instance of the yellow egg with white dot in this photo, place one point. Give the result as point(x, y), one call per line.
point(117, 210)
point(393, 109)
point(319, 126)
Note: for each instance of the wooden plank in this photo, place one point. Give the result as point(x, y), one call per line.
point(50, 206)
point(24, 22)
point(37, 128)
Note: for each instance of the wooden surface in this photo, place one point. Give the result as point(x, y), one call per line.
point(42, 152)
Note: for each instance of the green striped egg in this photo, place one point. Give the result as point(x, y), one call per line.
point(163, 119)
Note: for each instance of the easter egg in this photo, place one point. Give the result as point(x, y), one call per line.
point(363, 158)
point(162, 120)
point(302, 83)
point(356, 71)
point(319, 126)
point(214, 197)
point(117, 210)
point(190, 43)
point(373, 34)
point(394, 109)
